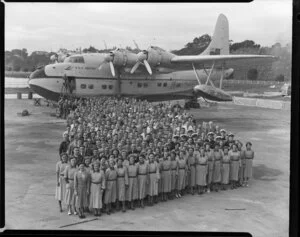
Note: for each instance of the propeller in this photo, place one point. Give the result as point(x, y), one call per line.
point(105, 45)
point(136, 45)
point(109, 58)
point(142, 59)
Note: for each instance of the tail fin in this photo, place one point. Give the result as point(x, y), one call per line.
point(220, 40)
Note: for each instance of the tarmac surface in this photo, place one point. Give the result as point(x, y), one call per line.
point(262, 209)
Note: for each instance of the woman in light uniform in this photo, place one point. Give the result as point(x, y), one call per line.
point(166, 176)
point(69, 174)
point(143, 179)
point(192, 170)
point(249, 155)
point(122, 183)
point(235, 164)
point(225, 170)
point(218, 154)
point(201, 170)
point(111, 186)
point(96, 189)
point(182, 169)
point(132, 191)
point(154, 177)
point(174, 174)
point(61, 183)
point(210, 167)
point(81, 188)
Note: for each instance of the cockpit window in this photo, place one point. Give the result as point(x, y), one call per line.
point(76, 59)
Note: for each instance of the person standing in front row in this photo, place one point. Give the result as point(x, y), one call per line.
point(225, 170)
point(192, 170)
point(166, 176)
point(132, 191)
point(201, 170)
point(69, 174)
point(154, 177)
point(210, 166)
point(234, 166)
point(243, 164)
point(174, 174)
point(122, 184)
point(249, 155)
point(143, 179)
point(182, 169)
point(96, 189)
point(111, 186)
point(81, 188)
point(218, 154)
point(61, 183)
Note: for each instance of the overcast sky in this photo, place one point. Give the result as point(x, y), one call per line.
point(50, 26)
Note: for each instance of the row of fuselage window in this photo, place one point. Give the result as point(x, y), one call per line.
point(139, 85)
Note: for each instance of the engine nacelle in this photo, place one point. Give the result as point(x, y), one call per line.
point(123, 58)
point(159, 57)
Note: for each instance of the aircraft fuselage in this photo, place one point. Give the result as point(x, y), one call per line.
point(88, 80)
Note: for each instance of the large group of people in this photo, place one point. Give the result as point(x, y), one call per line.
point(123, 153)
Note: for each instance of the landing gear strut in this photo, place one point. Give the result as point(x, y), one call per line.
point(192, 104)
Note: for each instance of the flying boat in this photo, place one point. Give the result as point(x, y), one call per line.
point(153, 74)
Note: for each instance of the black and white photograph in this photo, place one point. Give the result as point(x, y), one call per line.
point(148, 116)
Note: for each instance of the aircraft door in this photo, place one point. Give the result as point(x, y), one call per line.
point(72, 84)
point(69, 84)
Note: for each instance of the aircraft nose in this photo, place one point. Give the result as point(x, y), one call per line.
point(38, 73)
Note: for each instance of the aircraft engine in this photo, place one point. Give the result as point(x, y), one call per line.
point(153, 57)
point(119, 58)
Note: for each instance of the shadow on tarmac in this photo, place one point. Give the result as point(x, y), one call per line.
point(262, 172)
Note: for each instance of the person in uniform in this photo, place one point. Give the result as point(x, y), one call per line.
point(96, 189)
point(81, 188)
point(210, 166)
point(132, 191)
point(160, 161)
point(143, 179)
point(210, 140)
point(154, 177)
point(69, 174)
point(218, 154)
point(122, 183)
point(63, 147)
point(77, 156)
point(192, 169)
point(225, 170)
point(61, 183)
point(223, 135)
point(235, 163)
point(88, 168)
point(201, 170)
point(111, 186)
point(243, 164)
point(174, 173)
point(230, 141)
point(249, 155)
point(166, 176)
point(182, 169)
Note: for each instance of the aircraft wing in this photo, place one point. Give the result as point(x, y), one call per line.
point(221, 59)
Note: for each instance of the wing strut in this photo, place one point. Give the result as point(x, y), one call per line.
point(208, 78)
point(196, 74)
point(222, 76)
